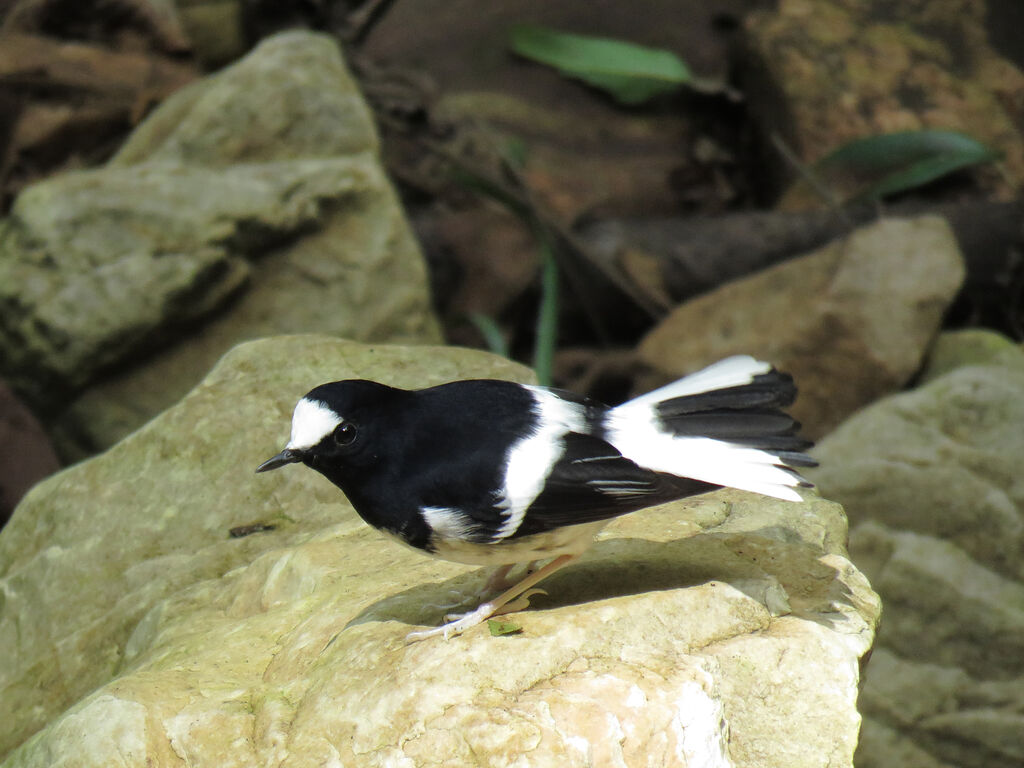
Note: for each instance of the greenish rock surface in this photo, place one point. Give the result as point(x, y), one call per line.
point(250, 203)
point(290, 98)
point(723, 630)
point(954, 349)
point(215, 29)
point(931, 480)
point(851, 321)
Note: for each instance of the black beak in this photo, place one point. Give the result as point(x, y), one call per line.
point(287, 456)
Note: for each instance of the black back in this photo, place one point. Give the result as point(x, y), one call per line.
point(444, 446)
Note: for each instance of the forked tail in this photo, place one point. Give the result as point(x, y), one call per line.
point(723, 425)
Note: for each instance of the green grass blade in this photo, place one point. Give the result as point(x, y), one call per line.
point(491, 332)
point(547, 315)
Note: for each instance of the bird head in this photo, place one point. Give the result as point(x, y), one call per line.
point(328, 428)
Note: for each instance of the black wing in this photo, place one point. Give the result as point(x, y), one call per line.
point(593, 481)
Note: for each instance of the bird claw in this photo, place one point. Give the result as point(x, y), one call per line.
point(521, 603)
point(458, 626)
point(457, 623)
point(514, 599)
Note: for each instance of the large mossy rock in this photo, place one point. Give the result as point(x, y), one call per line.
point(931, 479)
point(724, 630)
point(251, 203)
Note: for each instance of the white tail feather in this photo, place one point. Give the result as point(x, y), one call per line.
point(705, 459)
point(732, 372)
point(633, 428)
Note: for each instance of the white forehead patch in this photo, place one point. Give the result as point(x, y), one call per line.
point(311, 423)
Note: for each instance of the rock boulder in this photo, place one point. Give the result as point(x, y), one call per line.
point(931, 481)
point(723, 630)
point(851, 321)
point(252, 202)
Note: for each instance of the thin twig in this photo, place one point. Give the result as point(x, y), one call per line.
point(813, 181)
point(361, 21)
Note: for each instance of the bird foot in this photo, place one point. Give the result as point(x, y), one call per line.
point(521, 603)
point(515, 599)
point(464, 622)
point(457, 623)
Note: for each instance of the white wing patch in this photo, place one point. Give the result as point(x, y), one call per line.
point(621, 488)
point(312, 421)
point(588, 459)
point(531, 459)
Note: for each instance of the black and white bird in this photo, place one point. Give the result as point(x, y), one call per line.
point(491, 472)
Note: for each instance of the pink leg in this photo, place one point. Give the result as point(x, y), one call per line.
point(498, 581)
point(494, 607)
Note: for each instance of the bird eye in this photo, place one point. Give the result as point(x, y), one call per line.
point(345, 434)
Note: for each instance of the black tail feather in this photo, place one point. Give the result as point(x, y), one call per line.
point(797, 458)
point(768, 390)
point(748, 415)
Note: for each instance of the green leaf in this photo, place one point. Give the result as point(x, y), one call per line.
point(499, 627)
point(877, 166)
point(630, 73)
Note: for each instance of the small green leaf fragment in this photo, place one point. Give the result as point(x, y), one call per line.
point(630, 73)
point(499, 627)
point(877, 166)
